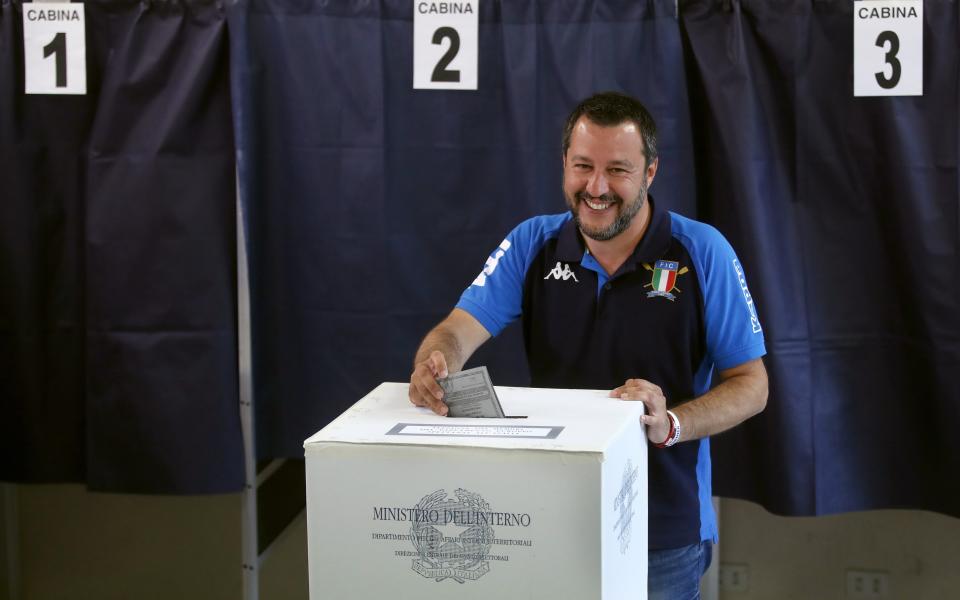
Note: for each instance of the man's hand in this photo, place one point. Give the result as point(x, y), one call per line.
point(741, 393)
point(424, 389)
point(444, 350)
point(656, 418)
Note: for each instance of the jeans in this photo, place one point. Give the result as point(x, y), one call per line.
point(674, 573)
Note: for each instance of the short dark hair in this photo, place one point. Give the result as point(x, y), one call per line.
point(612, 108)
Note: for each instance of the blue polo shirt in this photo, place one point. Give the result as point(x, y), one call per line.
point(675, 310)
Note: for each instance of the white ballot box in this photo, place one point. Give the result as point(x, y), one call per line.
point(402, 503)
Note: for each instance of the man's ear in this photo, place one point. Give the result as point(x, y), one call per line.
point(652, 170)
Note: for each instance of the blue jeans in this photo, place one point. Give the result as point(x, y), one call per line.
point(674, 573)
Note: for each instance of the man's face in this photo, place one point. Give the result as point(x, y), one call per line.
point(605, 179)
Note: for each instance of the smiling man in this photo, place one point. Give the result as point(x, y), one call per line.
point(620, 294)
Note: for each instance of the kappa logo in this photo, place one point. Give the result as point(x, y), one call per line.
point(664, 280)
point(561, 274)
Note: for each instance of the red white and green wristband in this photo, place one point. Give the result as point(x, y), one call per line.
point(674, 436)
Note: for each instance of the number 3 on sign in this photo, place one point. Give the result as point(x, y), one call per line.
point(54, 48)
point(888, 48)
point(445, 38)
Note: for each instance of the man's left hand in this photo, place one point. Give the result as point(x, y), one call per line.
point(656, 419)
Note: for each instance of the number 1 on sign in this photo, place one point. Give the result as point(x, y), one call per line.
point(58, 47)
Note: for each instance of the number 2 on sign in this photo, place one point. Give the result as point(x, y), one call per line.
point(441, 72)
point(445, 44)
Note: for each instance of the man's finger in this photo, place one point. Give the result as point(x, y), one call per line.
point(431, 388)
point(623, 389)
point(438, 364)
point(422, 397)
point(632, 385)
point(432, 399)
point(439, 407)
point(419, 397)
point(642, 396)
point(655, 402)
point(424, 389)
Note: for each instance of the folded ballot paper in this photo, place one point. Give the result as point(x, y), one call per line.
point(470, 393)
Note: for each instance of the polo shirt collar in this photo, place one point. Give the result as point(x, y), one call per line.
point(652, 246)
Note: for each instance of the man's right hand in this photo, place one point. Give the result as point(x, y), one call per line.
point(424, 389)
point(453, 340)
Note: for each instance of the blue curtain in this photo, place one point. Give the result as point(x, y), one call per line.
point(371, 205)
point(117, 258)
point(846, 211)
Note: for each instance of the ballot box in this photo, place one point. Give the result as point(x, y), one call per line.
point(402, 503)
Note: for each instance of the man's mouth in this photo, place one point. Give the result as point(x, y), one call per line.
point(597, 203)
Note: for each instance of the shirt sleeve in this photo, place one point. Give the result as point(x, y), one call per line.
point(496, 295)
point(733, 332)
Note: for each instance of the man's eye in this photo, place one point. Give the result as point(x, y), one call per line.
point(582, 166)
point(618, 170)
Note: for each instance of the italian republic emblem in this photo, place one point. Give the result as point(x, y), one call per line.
point(664, 280)
point(454, 545)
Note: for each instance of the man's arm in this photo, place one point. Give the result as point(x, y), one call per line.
point(443, 351)
point(741, 394)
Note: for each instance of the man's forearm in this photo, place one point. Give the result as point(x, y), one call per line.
point(444, 340)
point(737, 398)
point(457, 337)
point(445, 350)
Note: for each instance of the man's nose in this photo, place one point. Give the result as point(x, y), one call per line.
point(597, 184)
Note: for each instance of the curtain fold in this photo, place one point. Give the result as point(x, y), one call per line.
point(845, 212)
point(118, 305)
point(372, 205)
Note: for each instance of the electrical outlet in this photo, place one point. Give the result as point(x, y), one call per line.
point(867, 584)
point(734, 577)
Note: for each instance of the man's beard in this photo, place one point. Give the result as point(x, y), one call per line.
point(625, 214)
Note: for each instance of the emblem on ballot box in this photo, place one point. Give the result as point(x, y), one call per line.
point(453, 539)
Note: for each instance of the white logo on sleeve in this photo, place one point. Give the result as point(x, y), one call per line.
point(754, 320)
point(565, 273)
point(491, 264)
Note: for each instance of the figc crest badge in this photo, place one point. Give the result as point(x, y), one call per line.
point(664, 280)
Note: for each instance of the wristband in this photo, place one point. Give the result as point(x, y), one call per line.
point(674, 435)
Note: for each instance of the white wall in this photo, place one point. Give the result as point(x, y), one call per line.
point(807, 558)
point(78, 544)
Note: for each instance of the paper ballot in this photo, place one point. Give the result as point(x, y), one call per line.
point(470, 393)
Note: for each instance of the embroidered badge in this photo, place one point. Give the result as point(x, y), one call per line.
point(664, 280)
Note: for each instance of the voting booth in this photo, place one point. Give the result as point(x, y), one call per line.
point(551, 503)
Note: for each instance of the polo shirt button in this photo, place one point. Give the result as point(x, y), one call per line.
point(607, 286)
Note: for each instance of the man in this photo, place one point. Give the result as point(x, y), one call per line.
point(619, 293)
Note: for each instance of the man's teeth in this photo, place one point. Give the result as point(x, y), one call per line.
point(597, 205)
